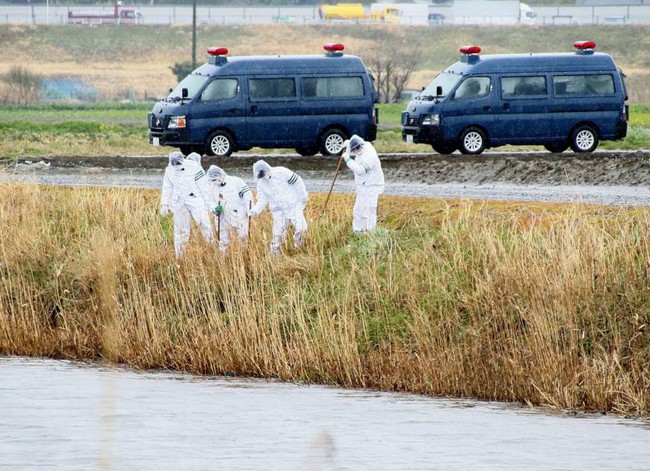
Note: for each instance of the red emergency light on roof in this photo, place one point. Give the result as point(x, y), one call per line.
point(470, 50)
point(582, 45)
point(334, 47)
point(218, 51)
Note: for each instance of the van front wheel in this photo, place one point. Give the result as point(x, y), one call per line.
point(584, 139)
point(443, 148)
point(332, 142)
point(472, 141)
point(556, 147)
point(220, 144)
point(307, 151)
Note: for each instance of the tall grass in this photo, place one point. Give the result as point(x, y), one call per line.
point(542, 304)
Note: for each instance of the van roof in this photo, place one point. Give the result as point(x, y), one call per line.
point(544, 62)
point(278, 65)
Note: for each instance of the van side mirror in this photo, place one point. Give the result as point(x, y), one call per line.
point(184, 93)
point(439, 90)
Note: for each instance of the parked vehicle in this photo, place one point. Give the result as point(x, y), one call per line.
point(311, 103)
point(556, 100)
point(491, 12)
point(356, 11)
point(126, 16)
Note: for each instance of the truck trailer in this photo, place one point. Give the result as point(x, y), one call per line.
point(125, 16)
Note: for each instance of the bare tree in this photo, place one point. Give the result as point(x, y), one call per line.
point(392, 69)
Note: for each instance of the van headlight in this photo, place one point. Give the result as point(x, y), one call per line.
point(176, 122)
point(431, 120)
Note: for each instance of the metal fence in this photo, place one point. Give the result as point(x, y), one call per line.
point(178, 15)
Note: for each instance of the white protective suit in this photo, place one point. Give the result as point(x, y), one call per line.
point(234, 199)
point(368, 180)
point(286, 195)
point(194, 156)
point(184, 191)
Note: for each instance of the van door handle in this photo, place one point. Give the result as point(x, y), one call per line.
point(254, 109)
point(486, 108)
point(506, 106)
point(233, 110)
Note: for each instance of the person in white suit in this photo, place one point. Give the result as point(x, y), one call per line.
point(229, 201)
point(361, 157)
point(285, 193)
point(184, 192)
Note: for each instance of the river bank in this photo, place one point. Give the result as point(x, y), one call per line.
point(498, 301)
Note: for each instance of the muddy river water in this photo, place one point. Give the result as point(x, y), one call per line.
point(69, 416)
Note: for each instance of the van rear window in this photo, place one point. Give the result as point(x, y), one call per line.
point(329, 87)
point(266, 88)
point(597, 84)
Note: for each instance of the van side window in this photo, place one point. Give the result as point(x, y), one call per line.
point(325, 87)
point(272, 88)
point(220, 89)
point(597, 84)
point(473, 87)
point(523, 86)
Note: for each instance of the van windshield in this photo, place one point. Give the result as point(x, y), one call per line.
point(446, 80)
point(192, 82)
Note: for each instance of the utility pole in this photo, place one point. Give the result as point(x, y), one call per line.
point(193, 34)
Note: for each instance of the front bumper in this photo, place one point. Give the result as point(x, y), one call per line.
point(160, 136)
point(413, 131)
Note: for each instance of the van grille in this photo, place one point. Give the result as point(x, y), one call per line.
point(156, 123)
point(408, 120)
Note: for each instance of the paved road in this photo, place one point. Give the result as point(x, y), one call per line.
point(618, 178)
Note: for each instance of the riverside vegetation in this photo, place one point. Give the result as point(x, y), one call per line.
point(530, 302)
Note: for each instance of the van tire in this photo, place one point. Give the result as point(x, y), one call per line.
point(307, 151)
point(331, 142)
point(472, 141)
point(187, 150)
point(584, 139)
point(220, 144)
point(556, 147)
point(443, 148)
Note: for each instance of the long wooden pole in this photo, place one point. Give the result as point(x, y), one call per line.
point(338, 169)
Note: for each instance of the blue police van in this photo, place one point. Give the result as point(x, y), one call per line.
point(557, 100)
point(310, 103)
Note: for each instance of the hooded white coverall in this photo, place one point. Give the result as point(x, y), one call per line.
point(184, 191)
point(286, 195)
point(369, 184)
point(235, 198)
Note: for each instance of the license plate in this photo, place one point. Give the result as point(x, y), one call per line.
point(409, 139)
point(155, 141)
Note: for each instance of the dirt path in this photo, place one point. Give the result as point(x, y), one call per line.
point(535, 168)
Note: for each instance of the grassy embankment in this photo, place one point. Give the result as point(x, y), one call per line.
point(543, 304)
point(109, 129)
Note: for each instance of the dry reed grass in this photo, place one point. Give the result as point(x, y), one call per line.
point(543, 304)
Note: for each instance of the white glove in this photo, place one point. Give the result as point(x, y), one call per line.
point(164, 210)
point(250, 213)
point(346, 145)
point(346, 156)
